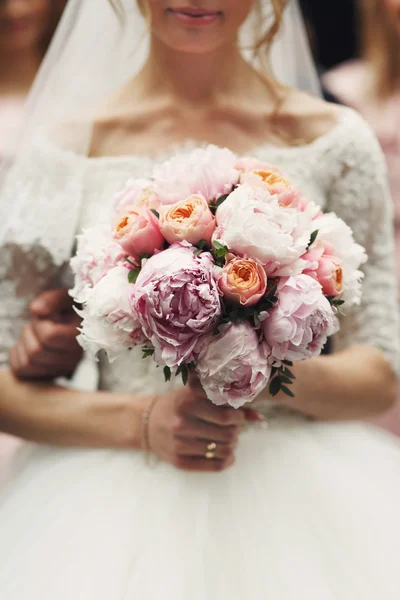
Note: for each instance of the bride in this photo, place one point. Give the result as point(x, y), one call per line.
point(306, 500)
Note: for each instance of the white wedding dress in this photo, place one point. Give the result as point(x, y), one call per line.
point(309, 511)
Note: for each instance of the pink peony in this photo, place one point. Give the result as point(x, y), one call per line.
point(97, 253)
point(233, 367)
point(177, 301)
point(207, 171)
point(242, 281)
point(137, 192)
point(109, 323)
point(298, 327)
point(189, 219)
point(251, 223)
point(138, 232)
point(325, 268)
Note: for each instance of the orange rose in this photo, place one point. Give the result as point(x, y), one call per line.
point(243, 281)
point(189, 219)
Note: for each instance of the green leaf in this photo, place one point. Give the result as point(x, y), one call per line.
point(288, 363)
point(179, 370)
point(256, 319)
point(202, 245)
point(285, 379)
point(220, 200)
point(167, 373)
point(221, 253)
point(185, 374)
point(288, 373)
point(133, 275)
point(271, 292)
point(220, 249)
point(275, 386)
point(157, 214)
point(287, 391)
point(144, 256)
point(147, 352)
point(313, 237)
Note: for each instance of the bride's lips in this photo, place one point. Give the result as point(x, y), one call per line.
point(195, 17)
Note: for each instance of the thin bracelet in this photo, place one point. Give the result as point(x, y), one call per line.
point(145, 427)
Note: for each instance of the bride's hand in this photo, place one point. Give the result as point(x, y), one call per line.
point(47, 347)
point(184, 423)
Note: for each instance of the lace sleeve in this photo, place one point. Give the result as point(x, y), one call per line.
point(360, 196)
point(36, 232)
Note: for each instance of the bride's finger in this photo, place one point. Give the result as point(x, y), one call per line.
point(218, 415)
point(199, 448)
point(187, 463)
point(194, 429)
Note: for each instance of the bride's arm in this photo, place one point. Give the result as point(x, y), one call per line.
point(46, 413)
point(179, 421)
point(354, 383)
point(359, 379)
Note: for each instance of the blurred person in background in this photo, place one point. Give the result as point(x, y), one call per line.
point(26, 28)
point(324, 20)
point(371, 85)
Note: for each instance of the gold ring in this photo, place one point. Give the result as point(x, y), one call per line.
point(210, 452)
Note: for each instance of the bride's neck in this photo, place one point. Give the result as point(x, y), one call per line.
point(194, 78)
point(18, 70)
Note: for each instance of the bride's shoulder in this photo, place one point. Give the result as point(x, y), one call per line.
point(307, 117)
point(332, 128)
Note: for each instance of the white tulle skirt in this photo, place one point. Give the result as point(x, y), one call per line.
point(309, 511)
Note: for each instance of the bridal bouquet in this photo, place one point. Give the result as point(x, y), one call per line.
point(219, 265)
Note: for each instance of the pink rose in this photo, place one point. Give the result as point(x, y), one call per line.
point(242, 281)
point(177, 302)
point(298, 327)
point(138, 232)
point(233, 367)
point(97, 253)
point(189, 219)
point(207, 171)
point(350, 255)
point(137, 192)
point(251, 223)
point(325, 268)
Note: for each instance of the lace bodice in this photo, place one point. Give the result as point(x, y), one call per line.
point(343, 171)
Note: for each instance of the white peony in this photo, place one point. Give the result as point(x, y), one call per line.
point(97, 253)
point(252, 223)
point(109, 322)
point(333, 230)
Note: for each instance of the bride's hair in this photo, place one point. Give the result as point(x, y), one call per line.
point(263, 45)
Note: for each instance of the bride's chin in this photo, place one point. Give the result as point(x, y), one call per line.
point(191, 41)
point(194, 49)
